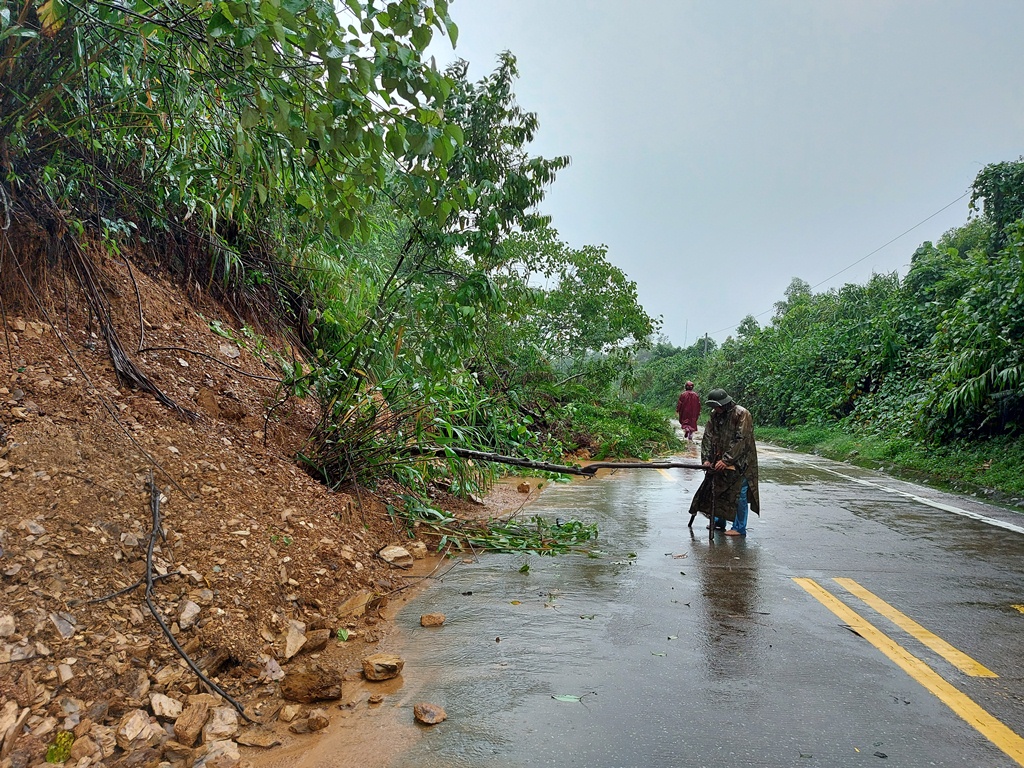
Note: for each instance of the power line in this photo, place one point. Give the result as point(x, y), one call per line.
point(868, 256)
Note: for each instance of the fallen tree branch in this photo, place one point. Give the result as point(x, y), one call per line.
point(157, 530)
point(586, 471)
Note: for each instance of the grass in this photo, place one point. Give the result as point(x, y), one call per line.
point(989, 468)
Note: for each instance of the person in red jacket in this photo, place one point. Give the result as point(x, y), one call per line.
point(688, 409)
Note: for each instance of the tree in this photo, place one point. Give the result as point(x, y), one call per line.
point(209, 112)
point(1000, 189)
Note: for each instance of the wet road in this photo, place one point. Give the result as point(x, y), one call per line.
point(864, 621)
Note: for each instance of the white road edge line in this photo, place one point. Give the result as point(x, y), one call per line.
point(920, 499)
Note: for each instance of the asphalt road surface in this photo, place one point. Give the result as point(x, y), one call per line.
point(863, 621)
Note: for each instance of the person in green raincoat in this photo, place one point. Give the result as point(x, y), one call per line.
point(730, 487)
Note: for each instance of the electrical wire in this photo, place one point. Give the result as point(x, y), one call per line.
point(863, 258)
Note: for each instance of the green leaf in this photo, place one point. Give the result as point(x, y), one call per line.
point(219, 25)
point(421, 37)
point(455, 133)
point(364, 69)
point(245, 36)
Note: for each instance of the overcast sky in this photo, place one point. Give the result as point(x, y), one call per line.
point(720, 149)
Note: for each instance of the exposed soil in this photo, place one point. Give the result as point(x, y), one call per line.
point(247, 536)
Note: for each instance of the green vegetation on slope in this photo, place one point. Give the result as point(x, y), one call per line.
point(309, 167)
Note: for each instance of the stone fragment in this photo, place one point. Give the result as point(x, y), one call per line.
point(190, 723)
point(222, 724)
point(382, 666)
point(188, 614)
point(219, 754)
point(272, 670)
point(417, 549)
point(397, 556)
point(141, 688)
point(523, 487)
point(429, 714)
point(316, 639)
point(432, 620)
point(177, 753)
point(9, 713)
point(7, 625)
point(44, 727)
point(289, 712)
point(138, 730)
point(355, 606)
point(64, 623)
point(168, 675)
point(294, 639)
point(310, 686)
point(105, 737)
point(85, 747)
point(316, 720)
point(147, 757)
point(258, 737)
point(164, 707)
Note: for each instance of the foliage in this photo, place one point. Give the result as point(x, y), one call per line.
point(660, 377)
point(981, 341)
point(1000, 188)
point(60, 749)
point(540, 536)
point(434, 332)
point(217, 111)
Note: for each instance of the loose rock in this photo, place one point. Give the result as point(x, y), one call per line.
point(429, 714)
point(397, 556)
point(307, 686)
point(382, 666)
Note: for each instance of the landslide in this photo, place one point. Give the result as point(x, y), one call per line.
point(246, 535)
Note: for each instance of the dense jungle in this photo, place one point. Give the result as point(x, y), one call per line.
point(264, 269)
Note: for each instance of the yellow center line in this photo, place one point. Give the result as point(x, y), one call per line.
point(957, 658)
point(961, 704)
point(667, 475)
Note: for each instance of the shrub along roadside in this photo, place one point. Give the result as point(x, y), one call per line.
point(989, 468)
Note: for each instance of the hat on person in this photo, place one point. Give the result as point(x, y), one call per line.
point(718, 397)
point(689, 385)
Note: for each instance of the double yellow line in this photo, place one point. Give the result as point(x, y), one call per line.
point(990, 727)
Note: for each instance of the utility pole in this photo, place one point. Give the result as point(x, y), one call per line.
point(705, 345)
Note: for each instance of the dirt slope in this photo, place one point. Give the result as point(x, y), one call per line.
point(249, 539)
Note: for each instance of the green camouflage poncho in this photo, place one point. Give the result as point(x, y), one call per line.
point(729, 436)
